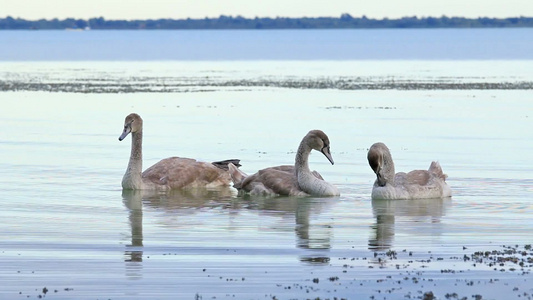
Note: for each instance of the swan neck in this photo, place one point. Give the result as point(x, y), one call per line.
point(132, 178)
point(301, 163)
point(136, 155)
point(307, 181)
point(388, 169)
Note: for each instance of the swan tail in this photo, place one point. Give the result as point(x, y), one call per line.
point(436, 169)
point(237, 176)
point(223, 164)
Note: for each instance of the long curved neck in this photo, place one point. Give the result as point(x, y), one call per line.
point(301, 163)
point(307, 181)
point(132, 178)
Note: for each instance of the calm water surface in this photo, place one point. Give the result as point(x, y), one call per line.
point(67, 226)
point(336, 44)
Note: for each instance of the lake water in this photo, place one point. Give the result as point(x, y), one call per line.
point(342, 44)
point(67, 230)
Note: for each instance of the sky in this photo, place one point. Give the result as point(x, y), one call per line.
point(181, 9)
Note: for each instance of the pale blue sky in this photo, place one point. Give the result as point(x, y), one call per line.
point(178, 9)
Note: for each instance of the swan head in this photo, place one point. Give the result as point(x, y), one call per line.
point(319, 141)
point(133, 123)
point(380, 160)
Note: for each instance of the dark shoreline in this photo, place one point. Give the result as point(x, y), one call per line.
point(238, 22)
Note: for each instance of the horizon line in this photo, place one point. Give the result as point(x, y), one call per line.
point(343, 15)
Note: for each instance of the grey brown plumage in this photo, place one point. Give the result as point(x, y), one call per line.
point(169, 173)
point(292, 180)
point(416, 184)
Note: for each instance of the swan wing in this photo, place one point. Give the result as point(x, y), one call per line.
point(419, 184)
point(418, 177)
point(177, 172)
point(275, 180)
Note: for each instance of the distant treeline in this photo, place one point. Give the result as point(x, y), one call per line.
point(228, 22)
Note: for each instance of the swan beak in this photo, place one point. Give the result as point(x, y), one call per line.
point(127, 130)
point(326, 153)
point(380, 181)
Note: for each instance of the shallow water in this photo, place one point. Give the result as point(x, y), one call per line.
point(65, 223)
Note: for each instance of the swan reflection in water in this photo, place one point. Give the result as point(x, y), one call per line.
point(132, 199)
point(421, 216)
point(170, 200)
point(312, 235)
point(133, 255)
point(288, 213)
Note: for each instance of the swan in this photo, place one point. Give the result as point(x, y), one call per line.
point(169, 173)
point(297, 180)
point(417, 184)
